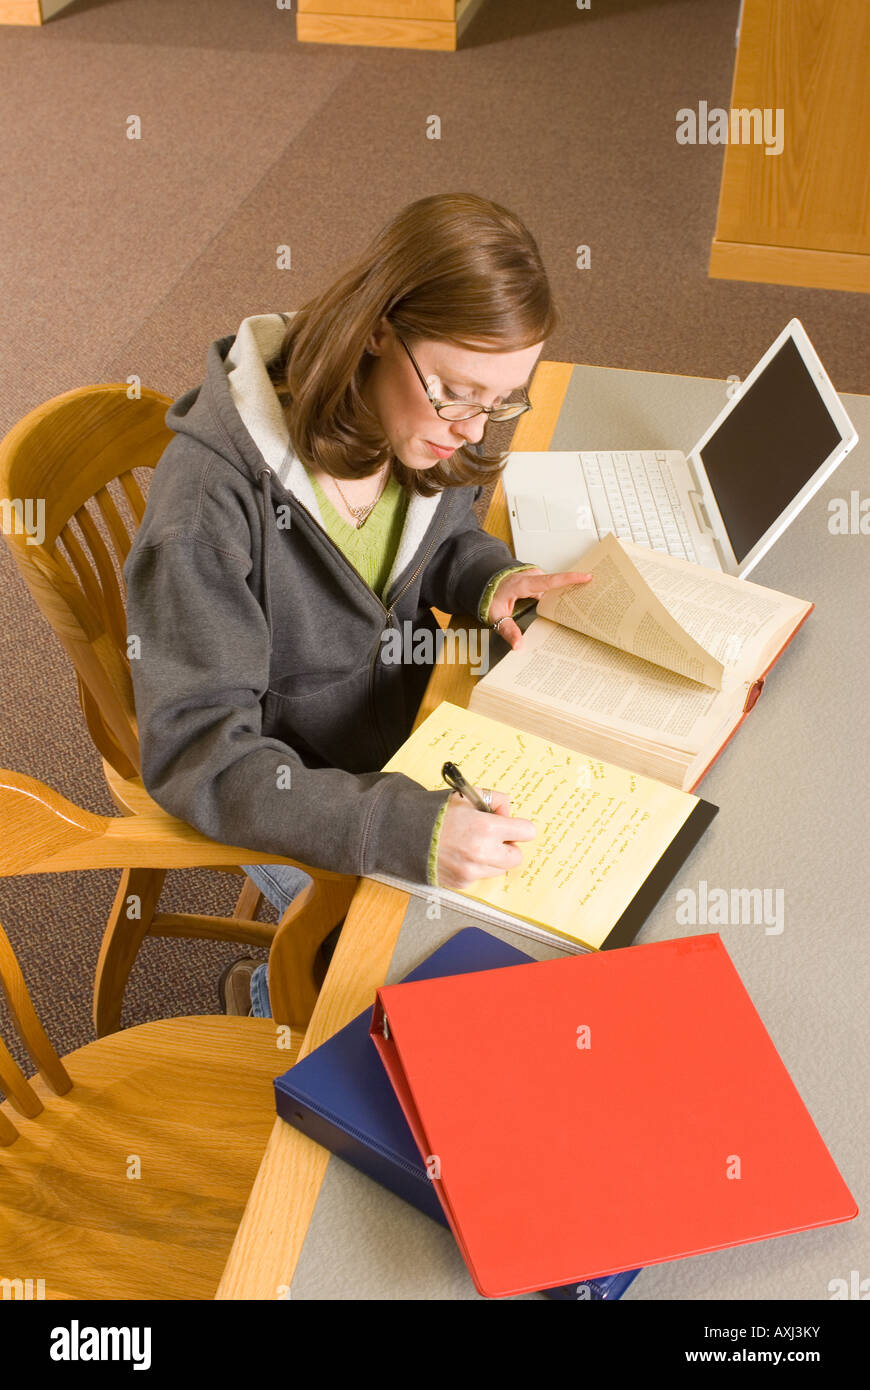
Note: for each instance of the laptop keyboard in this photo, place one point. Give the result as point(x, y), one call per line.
point(633, 495)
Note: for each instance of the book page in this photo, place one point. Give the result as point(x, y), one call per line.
point(619, 607)
point(600, 830)
point(591, 681)
point(732, 618)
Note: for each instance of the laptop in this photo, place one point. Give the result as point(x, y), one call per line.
point(779, 437)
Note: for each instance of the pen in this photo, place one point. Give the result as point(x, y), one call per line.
point(454, 778)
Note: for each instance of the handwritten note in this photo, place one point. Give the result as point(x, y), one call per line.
point(600, 830)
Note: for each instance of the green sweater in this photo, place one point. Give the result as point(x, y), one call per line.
point(371, 549)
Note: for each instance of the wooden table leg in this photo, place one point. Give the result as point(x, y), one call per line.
point(269, 1240)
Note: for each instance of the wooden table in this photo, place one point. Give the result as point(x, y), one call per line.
point(795, 804)
point(273, 1228)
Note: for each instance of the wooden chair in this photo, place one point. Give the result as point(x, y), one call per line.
point(75, 458)
point(126, 1166)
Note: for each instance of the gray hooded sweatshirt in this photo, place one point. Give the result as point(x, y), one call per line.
point(264, 703)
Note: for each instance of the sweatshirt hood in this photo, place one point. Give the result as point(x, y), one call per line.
point(236, 413)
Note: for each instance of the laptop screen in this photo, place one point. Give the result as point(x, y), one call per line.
point(770, 445)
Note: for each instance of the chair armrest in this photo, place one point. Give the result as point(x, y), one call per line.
point(43, 833)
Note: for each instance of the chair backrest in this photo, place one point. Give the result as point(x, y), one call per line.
point(70, 505)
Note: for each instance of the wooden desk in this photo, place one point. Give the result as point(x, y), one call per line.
point(795, 803)
point(270, 1237)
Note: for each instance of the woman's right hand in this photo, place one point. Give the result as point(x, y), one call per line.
point(474, 844)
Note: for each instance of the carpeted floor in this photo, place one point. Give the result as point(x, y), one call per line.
point(122, 257)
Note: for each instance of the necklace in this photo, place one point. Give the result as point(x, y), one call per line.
point(362, 514)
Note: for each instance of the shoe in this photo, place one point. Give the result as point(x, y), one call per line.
point(329, 943)
point(234, 987)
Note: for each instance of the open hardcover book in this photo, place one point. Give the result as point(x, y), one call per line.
point(652, 665)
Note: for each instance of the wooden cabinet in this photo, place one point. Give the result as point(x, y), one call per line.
point(30, 11)
point(801, 217)
point(433, 24)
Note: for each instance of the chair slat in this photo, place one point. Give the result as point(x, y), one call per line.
point(8, 1132)
point(83, 569)
point(103, 734)
point(16, 1086)
point(63, 565)
point(113, 604)
point(30, 1029)
point(112, 517)
point(134, 495)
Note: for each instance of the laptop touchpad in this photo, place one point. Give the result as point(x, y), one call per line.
point(531, 513)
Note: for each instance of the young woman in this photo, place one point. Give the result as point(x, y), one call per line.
point(317, 496)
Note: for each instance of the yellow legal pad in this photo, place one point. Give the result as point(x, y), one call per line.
point(601, 831)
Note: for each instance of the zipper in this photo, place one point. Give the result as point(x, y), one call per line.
point(419, 567)
point(354, 573)
point(372, 705)
point(389, 612)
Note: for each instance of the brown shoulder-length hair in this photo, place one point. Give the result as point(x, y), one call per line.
point(454, 268)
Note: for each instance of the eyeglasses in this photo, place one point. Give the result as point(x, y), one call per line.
point(466, 410)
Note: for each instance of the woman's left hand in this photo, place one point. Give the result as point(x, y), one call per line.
point(524, 584)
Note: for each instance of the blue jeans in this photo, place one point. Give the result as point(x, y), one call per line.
point(280, 883)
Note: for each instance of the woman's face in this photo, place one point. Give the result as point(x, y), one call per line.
point(394, 393)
